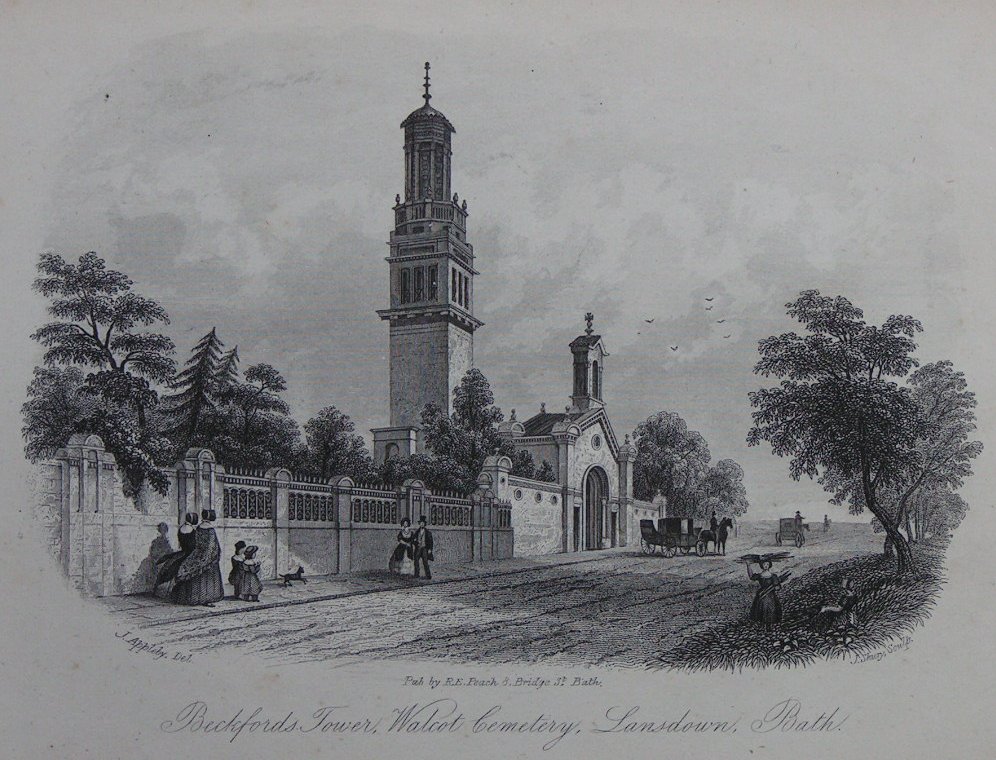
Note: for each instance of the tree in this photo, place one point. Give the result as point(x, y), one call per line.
point(436, 473)
point(97, 315)
point(523, 464)
point(457, 444)
point(227, 372)
point(545, 473)
point(945, 420)
point(938, 510)
point(333, 448)
point(98, 320)
point(838, 414)
point(255, 398)
point(252, 427)
point(196, 388)
point(943, 452)
point(724, 490)
point(671, 460)
point(57, 407)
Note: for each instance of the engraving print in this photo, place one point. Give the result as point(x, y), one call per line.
point(338, 458)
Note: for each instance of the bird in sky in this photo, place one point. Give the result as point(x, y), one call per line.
point(708, 308)
point(650, 321)
point(727, 336)
point(709, 299)
point(674, 348)
point(639, 333)
point(720, 321)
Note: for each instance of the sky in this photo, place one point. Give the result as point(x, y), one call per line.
point(240, 164)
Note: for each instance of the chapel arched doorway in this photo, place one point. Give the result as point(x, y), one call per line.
point(596, 498)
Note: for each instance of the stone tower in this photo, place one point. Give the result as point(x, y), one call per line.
point(431, 268)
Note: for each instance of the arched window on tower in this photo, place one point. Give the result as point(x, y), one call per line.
point(453, 288)
point(433, 283)
point(596, 381)
point(406, 286)
point(419, 294)
point(466, 292)
point(580, 386)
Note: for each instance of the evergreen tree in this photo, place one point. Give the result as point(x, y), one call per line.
point(196, 391)
point(227, 372)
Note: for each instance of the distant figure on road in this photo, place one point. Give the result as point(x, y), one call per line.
point(826, 524)
point(798, 522)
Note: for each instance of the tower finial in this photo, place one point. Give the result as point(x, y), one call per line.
point(588, 319)
point(427, 96)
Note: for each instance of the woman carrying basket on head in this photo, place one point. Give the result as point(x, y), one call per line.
point(766, 608)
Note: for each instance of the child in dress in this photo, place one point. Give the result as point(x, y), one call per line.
point(251, 585)
point(236, 576)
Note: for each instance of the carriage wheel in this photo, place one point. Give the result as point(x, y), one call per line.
point(685, 549)
point(799, 539)
point(645, 547)
point(778, 539)
point(700, 548)
point(669, 550)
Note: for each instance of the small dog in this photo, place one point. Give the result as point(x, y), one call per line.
point(297, 575)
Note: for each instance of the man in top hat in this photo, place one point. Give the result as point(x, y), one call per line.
point(423, 548)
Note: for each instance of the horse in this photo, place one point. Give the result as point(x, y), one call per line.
point(725, 526)
point(717, 539)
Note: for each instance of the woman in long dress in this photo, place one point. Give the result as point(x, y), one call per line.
point(766, 609)
point(169, 564)
point(403, 556)
point(198, 579)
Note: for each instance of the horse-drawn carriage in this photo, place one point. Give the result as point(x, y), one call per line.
point(671, 534)
point(791, 529)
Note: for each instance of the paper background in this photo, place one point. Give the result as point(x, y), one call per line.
point(71, 689)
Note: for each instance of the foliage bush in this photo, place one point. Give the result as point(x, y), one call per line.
point(889, 607)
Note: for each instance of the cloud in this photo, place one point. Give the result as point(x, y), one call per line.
point(247, 183)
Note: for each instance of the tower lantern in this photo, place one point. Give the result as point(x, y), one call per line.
point(589, 368)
